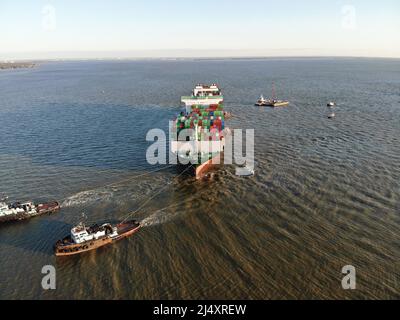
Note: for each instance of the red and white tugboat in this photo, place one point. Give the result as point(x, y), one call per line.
point(22, 211)
point(83, 239)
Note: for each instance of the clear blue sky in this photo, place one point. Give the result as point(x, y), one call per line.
point(122, 28)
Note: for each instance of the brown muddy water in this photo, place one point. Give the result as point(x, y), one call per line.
point(326, 193)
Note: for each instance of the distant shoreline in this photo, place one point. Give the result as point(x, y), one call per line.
point(25, 63)
point(16, 65)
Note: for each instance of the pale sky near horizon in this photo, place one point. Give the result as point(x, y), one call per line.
point(157, 28)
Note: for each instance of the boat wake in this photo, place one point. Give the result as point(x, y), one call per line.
point(87, 197)
point(158, 218)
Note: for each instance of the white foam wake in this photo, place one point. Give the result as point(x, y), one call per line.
point(159, 218)
point(87, 197)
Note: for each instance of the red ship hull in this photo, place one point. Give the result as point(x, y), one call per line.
point(66, 247)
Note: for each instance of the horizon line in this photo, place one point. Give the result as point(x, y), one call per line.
point(249, 57)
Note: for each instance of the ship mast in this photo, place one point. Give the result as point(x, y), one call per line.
point(273, 91)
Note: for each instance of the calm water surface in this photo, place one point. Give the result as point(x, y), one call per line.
point(326, 192)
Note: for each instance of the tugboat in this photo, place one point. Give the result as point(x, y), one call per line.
point(83, 239)
point(22, 211)
point(272, 102)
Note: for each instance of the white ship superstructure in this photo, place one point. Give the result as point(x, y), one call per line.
point(204, 95)
point(15, 209)
point(81, 234)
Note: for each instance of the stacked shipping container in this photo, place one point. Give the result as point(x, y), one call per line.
point(209, 120)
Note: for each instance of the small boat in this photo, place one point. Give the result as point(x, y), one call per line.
point(245, 171)
point(18, 211)
point(332, 115)
point(272, 102)
point(331, 104)
point(83, 239)
point(261, 102)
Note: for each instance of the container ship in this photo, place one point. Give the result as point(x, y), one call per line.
point(22, 211)
point(202, 147)
point(83, 239)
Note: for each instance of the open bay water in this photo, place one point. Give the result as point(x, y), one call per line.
point(326, 192)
